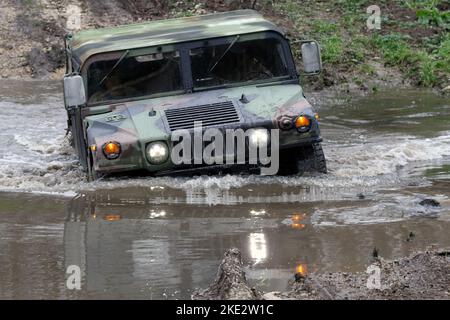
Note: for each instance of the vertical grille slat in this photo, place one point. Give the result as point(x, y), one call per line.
point(209, 114)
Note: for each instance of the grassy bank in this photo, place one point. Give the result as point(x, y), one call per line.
point(413, 39)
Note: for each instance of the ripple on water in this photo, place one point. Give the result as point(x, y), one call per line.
point(36, 157)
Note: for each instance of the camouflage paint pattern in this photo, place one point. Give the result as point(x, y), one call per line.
point(131, 125)
point(85, 44)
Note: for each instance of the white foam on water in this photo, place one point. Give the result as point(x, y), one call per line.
point(34, 154)
point(385, 155)
point(381, 209)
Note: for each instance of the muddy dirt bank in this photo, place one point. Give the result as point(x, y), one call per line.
point(422, 275)
point(32, 34)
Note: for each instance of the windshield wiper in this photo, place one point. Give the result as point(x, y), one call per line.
point(225, 52)
point(114, 67)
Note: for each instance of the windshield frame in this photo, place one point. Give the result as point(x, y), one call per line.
point(186, 75)
point(115, 55)
point(286, 51)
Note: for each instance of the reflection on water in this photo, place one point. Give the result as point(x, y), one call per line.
point(302, 268)
point(296, 221)
point(148, 251)
point(258, 247)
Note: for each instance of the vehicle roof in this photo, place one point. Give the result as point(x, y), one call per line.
point(86, 43)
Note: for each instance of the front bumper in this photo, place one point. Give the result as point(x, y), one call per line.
point(134, 159)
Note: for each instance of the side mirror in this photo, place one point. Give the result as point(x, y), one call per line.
point(312, 62)
point(74, 93)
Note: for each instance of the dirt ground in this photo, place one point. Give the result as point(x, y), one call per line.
point(422, 275)
point(32, 33)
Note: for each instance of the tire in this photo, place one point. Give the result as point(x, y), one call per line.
point(313, 160)
point(288, 162)
point(301, 160)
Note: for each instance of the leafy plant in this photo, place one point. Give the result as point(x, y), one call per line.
point(418, 4)
point(433, 16)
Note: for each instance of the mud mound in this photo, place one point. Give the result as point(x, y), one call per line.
point(230, 283)
point(423, 275)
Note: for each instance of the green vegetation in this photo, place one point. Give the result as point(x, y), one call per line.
point(413, 43)
point(332, 49)
point(433, 16)
point(424, 65)
point(414, 37)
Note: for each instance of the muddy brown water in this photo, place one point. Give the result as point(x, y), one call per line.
point(160, 238)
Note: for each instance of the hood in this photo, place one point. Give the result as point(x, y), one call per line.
point(145, 119)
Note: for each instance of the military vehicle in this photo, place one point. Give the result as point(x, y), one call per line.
point(128, 88)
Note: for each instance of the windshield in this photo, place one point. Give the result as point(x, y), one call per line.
point(238, 61)
point(130, 77)
point(139, 73)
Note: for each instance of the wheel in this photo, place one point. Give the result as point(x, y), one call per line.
point(313, 160)
point(301, 160)
point(288, 162)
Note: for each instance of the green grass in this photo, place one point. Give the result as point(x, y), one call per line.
point(332, 48)
point(394, 47)
point(352, 5)
point(433, 17)
point(443, 54)
point(340, 28)
point(419, 4)
point(332, 44)
point(427, 12)
point(419, 64)
point(356, 48)
point(324, 27)
point(427, 73)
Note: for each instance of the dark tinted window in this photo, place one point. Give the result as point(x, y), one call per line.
point(134, 77)
point(238, 61)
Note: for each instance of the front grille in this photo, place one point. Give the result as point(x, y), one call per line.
point(214, 114)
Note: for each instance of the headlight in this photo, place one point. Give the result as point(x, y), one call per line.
point(111, 150)
point(302, 123)
point(259, 137)
point(157, 152)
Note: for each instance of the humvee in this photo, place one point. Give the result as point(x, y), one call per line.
point(128, 88)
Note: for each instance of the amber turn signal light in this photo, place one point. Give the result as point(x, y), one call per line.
point(302, 123)
point(111, 150)
point(112, 217)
